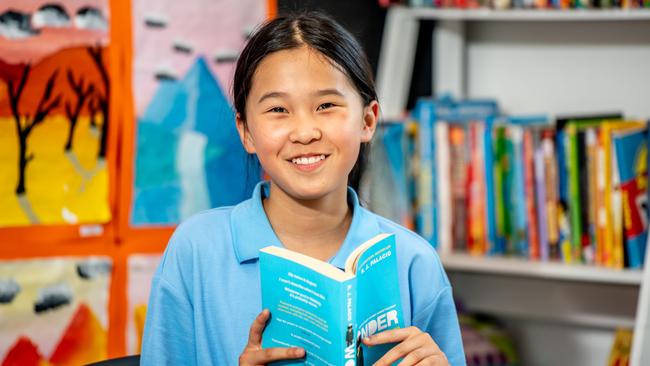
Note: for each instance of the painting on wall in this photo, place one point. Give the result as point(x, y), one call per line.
point(54, 311)
point(54, 93)
point(141, 269)
point(188, 154)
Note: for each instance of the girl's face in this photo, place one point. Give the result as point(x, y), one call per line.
point(305, 121)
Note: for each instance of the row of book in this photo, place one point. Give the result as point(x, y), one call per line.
point(573, 189)
point(523, 4)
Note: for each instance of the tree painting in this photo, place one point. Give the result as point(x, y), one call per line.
point(25, 123)
point(54, 112)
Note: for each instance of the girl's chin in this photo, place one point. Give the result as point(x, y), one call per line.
point(307, 191)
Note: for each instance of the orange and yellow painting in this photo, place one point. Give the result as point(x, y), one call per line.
point(54, 311)
point(54, 112)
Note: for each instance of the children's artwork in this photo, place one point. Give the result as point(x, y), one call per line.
point(188, 154)
point(54, 92)
point(141, 268)
point(54, 311)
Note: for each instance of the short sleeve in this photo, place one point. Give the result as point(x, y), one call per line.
point(169, 337)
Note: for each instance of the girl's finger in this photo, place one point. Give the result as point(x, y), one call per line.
point(266, 355)
point(412, 350)
point(435, 360)
point(420, 356)
point(255, 334)
point(391, 336)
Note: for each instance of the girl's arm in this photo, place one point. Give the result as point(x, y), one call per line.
point(169, 329)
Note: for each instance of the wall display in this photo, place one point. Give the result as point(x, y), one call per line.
point(54, 98)
point(141, 268)
point(184, 56)
point(54, 311)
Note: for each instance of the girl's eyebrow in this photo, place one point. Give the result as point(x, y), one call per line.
point(318, 93)
point(274, 94)
point(331, 91)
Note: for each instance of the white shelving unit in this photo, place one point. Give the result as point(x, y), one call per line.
point(561, 314)
point(541, 270)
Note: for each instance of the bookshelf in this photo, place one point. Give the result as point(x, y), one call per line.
point(541, 270)
point(554, 61)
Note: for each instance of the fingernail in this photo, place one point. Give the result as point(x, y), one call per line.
point(299, 352)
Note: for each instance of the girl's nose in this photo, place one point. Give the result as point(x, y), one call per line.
point(305, 132)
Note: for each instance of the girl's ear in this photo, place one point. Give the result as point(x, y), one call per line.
point(370, 119)
point(244, 135)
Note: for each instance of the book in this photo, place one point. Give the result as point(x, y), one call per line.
point(621, 348)
point(326, 310)
point(632, 162)
point(612, 212)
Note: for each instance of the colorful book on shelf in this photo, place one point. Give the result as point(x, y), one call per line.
point(547, 194)
point(493, 242)
point(327, 311)
point(611, 214)
point(631, 148)
point(531, 195)
point(621, 348)
point(501, 172)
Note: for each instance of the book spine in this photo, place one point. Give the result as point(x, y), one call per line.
point(529, 186)
point(592, 176)
point(573, 175)
point(583, 189)
point(518, 193)
point(457, 136)
point(542, 217)
point(552, 195)
point(500, 189)
point(490, 172)
point(350, 342)
point(443, 187)
point(425, 115)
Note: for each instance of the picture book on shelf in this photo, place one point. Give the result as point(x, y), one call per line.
point(326, 310)
point(631, 149)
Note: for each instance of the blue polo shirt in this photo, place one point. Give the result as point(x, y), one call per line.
point(206, 291)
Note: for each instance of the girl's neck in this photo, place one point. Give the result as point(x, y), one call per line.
point(316, 228)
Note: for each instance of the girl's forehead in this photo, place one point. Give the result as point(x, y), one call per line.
point(299, 67)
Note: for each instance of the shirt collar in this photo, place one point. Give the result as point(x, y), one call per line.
point(252, 230)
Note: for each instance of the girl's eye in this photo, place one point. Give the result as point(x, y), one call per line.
point(325, 106)
point(277, 110)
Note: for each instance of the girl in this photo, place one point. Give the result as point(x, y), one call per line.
point(306, 106)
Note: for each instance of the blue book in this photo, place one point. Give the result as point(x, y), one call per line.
point(631, 160)
point(326, 310)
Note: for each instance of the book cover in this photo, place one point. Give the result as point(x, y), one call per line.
point(501, 168)
point(327, 311)
point(632, 163)
point(612, 214)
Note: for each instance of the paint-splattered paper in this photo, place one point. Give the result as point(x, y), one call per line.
point(141, 269)
point(54, 92)
point(188, 154)
point(54, 311)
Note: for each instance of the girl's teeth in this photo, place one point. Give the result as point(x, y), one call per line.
point(309, 160)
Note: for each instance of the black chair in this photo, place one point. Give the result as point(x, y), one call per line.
point(122, 361)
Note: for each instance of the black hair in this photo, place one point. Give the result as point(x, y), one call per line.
point(321, 33)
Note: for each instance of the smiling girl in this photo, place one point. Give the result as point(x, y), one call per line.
point(307, 107)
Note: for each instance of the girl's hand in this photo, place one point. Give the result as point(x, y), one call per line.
point(254, 355)
point(415, 348)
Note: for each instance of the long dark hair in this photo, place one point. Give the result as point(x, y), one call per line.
point(321, 33)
